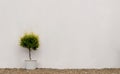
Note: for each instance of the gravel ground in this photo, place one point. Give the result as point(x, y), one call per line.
point(60, 71)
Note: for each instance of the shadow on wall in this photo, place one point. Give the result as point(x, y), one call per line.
point(118, 57)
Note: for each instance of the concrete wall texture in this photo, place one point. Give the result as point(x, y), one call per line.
point(73, 33)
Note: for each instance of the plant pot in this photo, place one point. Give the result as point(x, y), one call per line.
point(30, 64)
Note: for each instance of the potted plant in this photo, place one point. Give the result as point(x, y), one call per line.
point(31, 42)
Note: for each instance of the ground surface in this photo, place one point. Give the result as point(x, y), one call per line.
point(63, 71)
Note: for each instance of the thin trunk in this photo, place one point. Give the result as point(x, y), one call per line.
point(29, 54)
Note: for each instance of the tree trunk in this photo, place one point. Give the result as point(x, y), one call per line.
point(29, 54)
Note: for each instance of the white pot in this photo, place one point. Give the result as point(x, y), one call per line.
point(30, 64)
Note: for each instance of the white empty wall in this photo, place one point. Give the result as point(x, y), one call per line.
point(73, 33)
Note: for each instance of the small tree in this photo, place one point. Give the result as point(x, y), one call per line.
point(30, 41)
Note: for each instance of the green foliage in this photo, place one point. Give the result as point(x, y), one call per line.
point(30, 41)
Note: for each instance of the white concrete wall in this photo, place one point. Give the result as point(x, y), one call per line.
point(73, 33)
